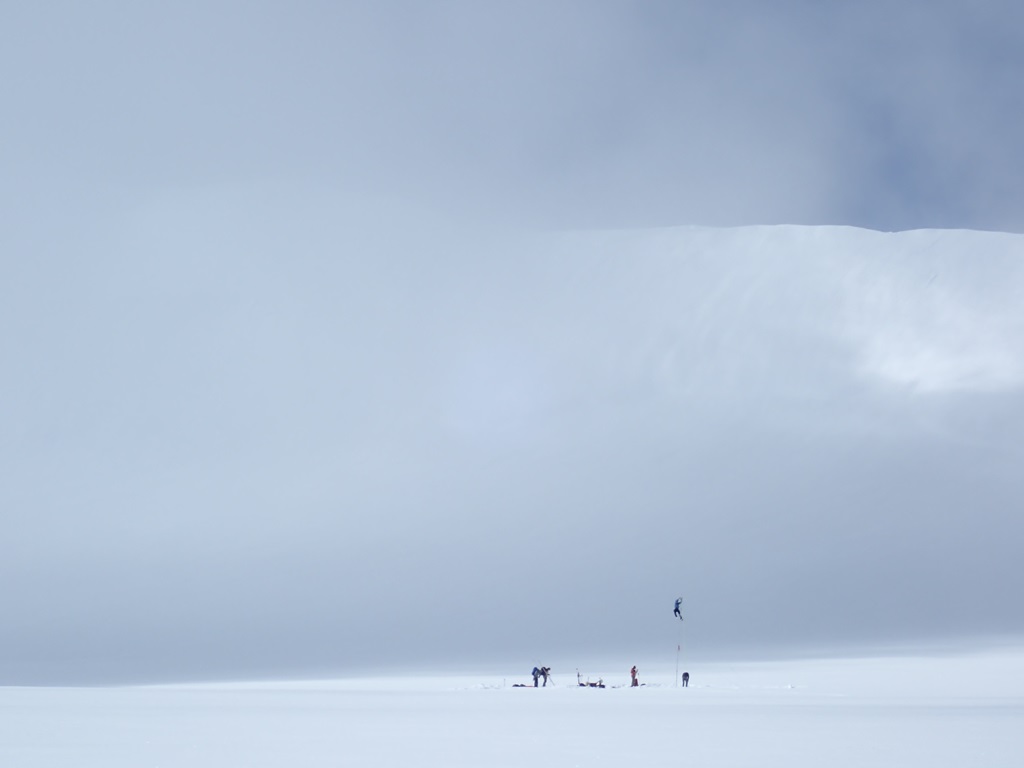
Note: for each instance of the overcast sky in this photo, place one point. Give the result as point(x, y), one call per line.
point(297, 374)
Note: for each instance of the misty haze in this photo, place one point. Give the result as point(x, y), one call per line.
point(357, 359)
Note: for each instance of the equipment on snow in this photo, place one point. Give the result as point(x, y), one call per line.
point(588, 684)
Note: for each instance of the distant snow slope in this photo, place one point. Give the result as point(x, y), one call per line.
point(930, 310)
point(241, 445)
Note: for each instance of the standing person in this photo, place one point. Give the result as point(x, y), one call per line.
point(686, 679)
point(536, 676)
point(632, 674)
point(546, 673)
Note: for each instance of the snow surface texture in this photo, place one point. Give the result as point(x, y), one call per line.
point(953, 711)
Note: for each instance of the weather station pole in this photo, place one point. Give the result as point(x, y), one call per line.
point(678, 645)
point(678, 613)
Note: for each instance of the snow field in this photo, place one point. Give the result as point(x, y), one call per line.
point(879, 712)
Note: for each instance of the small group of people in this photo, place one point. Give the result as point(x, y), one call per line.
point(538, 673)
point(544, 673)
